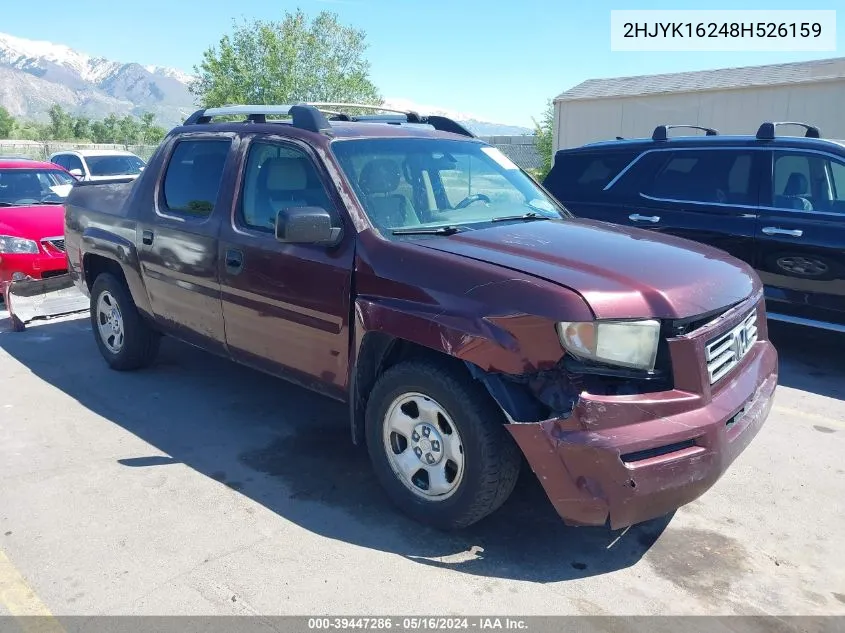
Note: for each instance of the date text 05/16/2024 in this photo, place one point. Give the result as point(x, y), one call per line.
point(417, 623)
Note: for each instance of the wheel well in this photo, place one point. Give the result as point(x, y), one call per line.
point(379, 352)
point(95, 265)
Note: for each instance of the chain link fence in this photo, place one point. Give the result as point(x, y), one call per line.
point(520, 149)
point(41, 150)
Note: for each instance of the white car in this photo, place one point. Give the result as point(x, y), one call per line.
point(99, 164)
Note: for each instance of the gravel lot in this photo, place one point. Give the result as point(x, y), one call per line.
point(200, 487)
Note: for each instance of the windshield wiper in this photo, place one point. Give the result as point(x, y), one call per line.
point(432, 230)
point(531, 215)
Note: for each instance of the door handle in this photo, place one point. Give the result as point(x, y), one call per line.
point(773, 230)
point(147, 238)
point(636, 217)
point(234, 261)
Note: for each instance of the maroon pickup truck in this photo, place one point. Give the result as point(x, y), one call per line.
point(397, 263)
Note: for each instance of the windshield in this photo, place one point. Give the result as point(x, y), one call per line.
point(114, 165)
point(414, 183)
point(34, 186)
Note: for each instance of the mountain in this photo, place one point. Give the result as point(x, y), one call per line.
point(34, 75)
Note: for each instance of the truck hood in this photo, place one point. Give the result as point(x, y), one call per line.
point(621, 272)
point(33, 222)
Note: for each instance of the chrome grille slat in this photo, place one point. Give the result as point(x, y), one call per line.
point(724, 352)
point(56, 242)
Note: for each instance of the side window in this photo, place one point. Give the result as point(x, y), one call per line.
point(837, 173)
point(61, 161)
point(808, 182)
point(277, 177)
point(193, 176)
point(709, 176)
point(74, 162)
point(582, 176)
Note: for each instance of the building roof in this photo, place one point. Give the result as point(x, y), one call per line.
point(719, 79)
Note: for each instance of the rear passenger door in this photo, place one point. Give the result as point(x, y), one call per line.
point(706, 195)
point(286, 306)
point(801, 235)
point(178, 239)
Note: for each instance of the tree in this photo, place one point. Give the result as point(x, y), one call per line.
point(7, 123)
point(544, 135)
point(81, 128)
point(60, 127)
point(264, 62)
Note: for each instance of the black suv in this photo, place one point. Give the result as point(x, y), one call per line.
point(777, 202)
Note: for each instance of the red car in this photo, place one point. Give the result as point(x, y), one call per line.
point(32, 243)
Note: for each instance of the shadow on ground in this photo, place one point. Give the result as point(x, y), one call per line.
point(290, 450)
point(810, 360)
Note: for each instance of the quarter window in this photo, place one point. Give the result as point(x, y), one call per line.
point(278, 177)
point(708, 176)
point(193, 176)
point(579, 176)
point(808, 182)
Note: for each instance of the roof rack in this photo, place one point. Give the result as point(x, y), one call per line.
point(661, 132)
point(766, 132)
point(312, 116)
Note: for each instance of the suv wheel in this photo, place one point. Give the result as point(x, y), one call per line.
point(438, 445)
point(125, 339)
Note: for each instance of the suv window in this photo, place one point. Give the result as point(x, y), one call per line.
point(193, 176)
point(709, 176)
point(581, 175)
point(278, 176)
point(72, 161)
point(808, 182)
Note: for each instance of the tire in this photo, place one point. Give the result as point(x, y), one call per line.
point(139, 343)
point(489, 458)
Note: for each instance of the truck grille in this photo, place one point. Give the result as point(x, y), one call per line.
point(724, 352)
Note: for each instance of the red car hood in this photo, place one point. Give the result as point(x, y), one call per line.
point(33, 222)
point(621, 272)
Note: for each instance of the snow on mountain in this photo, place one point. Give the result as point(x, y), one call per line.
point(39, 74)
point(36, 74)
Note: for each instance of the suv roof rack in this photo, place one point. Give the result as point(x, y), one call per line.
point(661, 132)
point(312, 116)
point(766, 132)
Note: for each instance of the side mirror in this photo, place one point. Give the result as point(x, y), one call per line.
point(77, 173)
point(306, 225)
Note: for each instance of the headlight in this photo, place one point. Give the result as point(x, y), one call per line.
point(624, 343)
point(17, 245)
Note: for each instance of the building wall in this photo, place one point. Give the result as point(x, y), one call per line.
point(738, 111)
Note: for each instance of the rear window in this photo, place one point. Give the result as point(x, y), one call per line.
point(581, 175)
point(193, 176)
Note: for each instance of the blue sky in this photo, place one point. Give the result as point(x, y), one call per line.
point(498, 59)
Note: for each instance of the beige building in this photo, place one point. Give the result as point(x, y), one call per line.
point(732, 100)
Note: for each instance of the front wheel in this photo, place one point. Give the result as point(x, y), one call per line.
point(125, 339)
point(438, 445)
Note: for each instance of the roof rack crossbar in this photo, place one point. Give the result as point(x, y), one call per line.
point(303, 115)
point(661, 132)
point(312, 115)
point(442, 123)
point(766, 132)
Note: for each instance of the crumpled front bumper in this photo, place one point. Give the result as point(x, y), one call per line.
point(43, 298)
point(675, 448)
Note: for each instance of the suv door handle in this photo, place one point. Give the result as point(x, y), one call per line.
point(636, 217)
point(147, 238)
point(773, 230)
point(234, 261)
